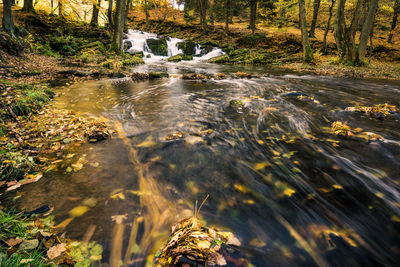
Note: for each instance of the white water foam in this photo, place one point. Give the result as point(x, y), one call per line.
point(137, 39)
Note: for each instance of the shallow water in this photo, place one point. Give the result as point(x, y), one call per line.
point(293, 193)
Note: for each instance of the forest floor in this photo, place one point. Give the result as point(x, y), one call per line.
point(278, 47)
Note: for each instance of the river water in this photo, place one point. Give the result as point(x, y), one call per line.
point(292, 192)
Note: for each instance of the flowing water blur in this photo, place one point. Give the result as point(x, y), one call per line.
point(292, 192)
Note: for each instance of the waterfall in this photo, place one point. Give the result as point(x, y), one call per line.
point(137, 41)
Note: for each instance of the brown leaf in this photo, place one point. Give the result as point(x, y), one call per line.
point(56, 250)
point(14, 241)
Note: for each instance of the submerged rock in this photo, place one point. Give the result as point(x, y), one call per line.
point(158, 75)
point(194, 76)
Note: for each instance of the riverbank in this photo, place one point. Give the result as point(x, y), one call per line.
point(276, 48)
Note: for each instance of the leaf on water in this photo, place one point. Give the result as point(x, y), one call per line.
point(64, 223)
point(296, 170)
point(14, 241)
point(241, 188)
point(255, 242)
point(261, 165)
point(90, 202)
point(56, 250)
point(94, 164)
point(249, 201)
point(148, 143)
point(119, 218)
point(336, 186)
point(261, 142)
point(380, 194)
point(192, 140)
point(395, 218)
point(78, 211)
point(68, 169)
point(119, 195)
point(289, 192)
point(29, 244)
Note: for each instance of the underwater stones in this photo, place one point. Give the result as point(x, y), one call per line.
point(138, 76)
point(158, 47)
point(294, 94)
point(121, 82)
point(158, 75)
point(188, 47)
point(243, 75)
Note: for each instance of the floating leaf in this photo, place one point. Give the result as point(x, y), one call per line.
point(261, 165)
point(78, 211)
point(146, 144)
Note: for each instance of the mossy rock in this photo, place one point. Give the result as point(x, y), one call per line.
point(252, 39)
point(219, 59)
point(158, 47)
point(158, 75)
point(133, 61)
point(188, 47)
point(179, 57)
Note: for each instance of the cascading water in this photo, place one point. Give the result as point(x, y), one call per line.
point(137, 41)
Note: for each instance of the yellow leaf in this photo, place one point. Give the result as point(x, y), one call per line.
point(118, 196)
point(261, 142)
point(255, 242)
point(289, 192)
point(78, 211)
point(395, 218)
point(146, 144)
point(336, 186)
point(203, 244)
point(261, 165)
point(241, 188)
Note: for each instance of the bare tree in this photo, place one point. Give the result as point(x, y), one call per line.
point(307, 51)
point(328, 25)
point(118, 26)
point(253, 15)
point(315, 17)
point(28, 6)
point(95, 14)
point(396, 11)
point(7, 21)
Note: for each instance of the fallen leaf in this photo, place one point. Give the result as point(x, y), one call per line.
point(14, 241)
point(78, 211)
point(28, 244)
point(56, 250)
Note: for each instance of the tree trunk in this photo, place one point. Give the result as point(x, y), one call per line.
point(340, 26)
point(28, 6)
point(307, 51)
point(228, 7)
point(253, 15)
point(95, 14)
point(315, 16)
point(60, 8)
point(396, 11)
point(350, 33)
point(109, 14)
point(118, 26)
point(203, 13)
point(328, 25)
point(366, 31)
point(8, 23)
point(127, 8)
point(146, 12)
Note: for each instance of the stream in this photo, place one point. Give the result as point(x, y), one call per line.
point(292, 192)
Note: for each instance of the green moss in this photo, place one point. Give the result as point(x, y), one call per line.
point(188, 47)
point(179, 57)
point(158, 47)
point(133, 61)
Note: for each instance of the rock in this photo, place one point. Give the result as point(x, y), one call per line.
point(127, 45)
point(158, 47)
point(158, 75)
point(138, 76)
point(188, 47)
point(220, 76)
point(294, 94)
point(194, 76)
point(219, 59)
point(179, 57)
point(121, 82)
point(243, 75)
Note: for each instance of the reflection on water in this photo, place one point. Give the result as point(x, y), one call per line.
point(291, 191)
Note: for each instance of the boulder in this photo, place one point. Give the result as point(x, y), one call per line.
point(158, 75)
point(158, 47)
point(219, 59)
point(188, 47)
point(179, 57)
